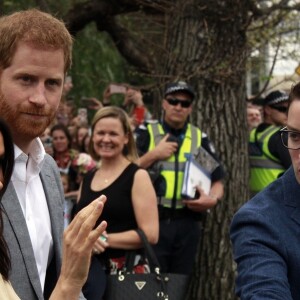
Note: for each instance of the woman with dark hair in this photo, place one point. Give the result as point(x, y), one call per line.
point(7, 157)
point(63, 154)
point(78, 240)
point(80, 133)
point(6, 168)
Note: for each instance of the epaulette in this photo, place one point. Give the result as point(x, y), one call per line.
point(144, 125)
point(152, 121)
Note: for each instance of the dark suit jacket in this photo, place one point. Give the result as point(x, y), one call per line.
point(24, 275)
point(265, 234)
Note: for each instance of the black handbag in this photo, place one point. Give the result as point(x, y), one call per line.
point(152, 286)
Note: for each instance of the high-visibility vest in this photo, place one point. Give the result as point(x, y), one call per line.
point(172, 169)
point(264, 167)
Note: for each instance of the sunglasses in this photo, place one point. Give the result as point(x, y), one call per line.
point(282, 109)
point(175, 102)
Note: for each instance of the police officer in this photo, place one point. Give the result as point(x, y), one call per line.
point(162, 147)
point(268, 157)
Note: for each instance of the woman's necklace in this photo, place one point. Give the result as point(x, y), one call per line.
point(109, 175)
point(106, 179)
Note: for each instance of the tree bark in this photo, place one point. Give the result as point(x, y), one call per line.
point(210, 53)
point(105, 13)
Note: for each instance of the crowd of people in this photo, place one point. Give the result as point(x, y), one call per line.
point(118, 153)
point(60, 163)
point(68, 137)
point(103, 175)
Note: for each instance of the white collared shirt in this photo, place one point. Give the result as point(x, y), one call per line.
point(31, 195)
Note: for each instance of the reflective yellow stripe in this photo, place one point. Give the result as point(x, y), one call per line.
point(169, 166)
point(263, 139)
point(190, 144)
point(264, 167)
point(265, 164)
point(264, 178)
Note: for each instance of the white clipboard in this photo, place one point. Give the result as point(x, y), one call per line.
point(194, 175)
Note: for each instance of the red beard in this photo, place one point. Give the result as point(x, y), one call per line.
point(19, 120)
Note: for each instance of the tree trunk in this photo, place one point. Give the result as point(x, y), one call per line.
point(210, 53)
point(226, 127)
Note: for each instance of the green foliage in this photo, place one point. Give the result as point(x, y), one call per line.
point(96, 63)
point(10, 6)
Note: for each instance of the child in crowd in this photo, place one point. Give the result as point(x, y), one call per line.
point(69, 199)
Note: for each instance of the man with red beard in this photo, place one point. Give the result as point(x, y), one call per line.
point(35, 53)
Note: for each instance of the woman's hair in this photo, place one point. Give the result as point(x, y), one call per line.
point(82, 146)
point(36, 28)
point(7, 165)
point(65, 130)
point(129, 150)
point(78, 128)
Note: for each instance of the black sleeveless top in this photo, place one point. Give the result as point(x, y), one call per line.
point(118, 210)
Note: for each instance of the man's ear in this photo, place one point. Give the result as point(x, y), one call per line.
point(267, 110)
point(164, 103)
point(191, 108)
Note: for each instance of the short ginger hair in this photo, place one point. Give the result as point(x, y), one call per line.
point(36, 28)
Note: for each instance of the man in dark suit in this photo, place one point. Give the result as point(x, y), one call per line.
point(265, 232)
point(35, 53)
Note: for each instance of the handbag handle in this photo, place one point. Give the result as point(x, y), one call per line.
point(152, 260)
point(148, 253)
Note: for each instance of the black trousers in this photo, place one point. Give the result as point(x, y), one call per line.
point(178, 243)
point(95, 285)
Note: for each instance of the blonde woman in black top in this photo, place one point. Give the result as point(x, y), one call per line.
point(131, 201)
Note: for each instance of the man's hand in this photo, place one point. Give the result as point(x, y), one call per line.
point(162, 151)
point(106, 95)
point(165, 149)
point(133, 96)
point(203, 203)
point(94, 103)
point(78, 243)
